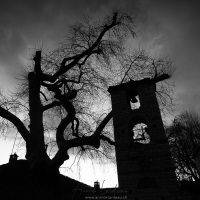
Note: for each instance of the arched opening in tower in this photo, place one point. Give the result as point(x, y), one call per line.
point(141, 133)
point(133, 99)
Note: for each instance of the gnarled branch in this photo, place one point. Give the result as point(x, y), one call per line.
point(93, 140)
point(75, 59)
point(17, 122)
point(107, 139)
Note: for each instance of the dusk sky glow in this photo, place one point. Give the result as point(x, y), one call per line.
point(164, 28)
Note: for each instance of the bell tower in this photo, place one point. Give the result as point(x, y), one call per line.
point(143, 156)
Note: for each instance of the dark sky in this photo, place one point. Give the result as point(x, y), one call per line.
point(168, 28)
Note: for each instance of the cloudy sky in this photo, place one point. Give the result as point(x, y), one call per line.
point(166, 28)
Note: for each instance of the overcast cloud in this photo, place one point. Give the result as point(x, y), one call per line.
point(166, 28)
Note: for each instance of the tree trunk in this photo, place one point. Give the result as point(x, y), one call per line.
point(46, 178)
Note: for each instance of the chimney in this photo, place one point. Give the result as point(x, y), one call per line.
point(13, 158)
point(96, 187)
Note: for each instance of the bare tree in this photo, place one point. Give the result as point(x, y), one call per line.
point(57, 101)
point(138, 65)
point(184, 138)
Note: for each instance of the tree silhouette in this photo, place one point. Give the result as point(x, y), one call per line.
point(56, 102)
point(183, 136)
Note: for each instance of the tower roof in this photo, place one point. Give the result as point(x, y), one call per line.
point(129, 85)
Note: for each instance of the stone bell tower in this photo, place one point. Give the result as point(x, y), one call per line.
point(143, 157)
